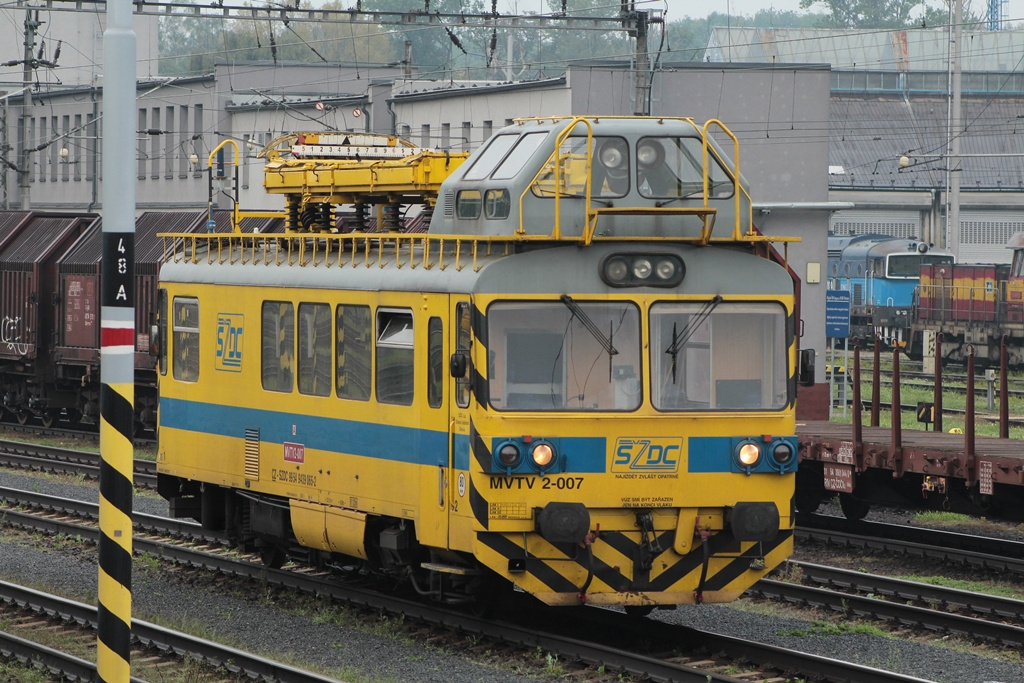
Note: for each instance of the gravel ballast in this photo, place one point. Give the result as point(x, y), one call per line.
point(252, 624)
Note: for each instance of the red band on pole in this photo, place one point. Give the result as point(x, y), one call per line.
point(117, 336)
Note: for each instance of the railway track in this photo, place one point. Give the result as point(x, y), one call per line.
point(598, 633)
point(152, 646)
point(964, 549)
point(910, 603)
point(55, 460)
point(85, 432)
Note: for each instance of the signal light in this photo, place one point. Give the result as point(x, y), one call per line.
point(642, 270)
point(782, 453)
point(748, 455)
point(509, 455)
point(543, 455)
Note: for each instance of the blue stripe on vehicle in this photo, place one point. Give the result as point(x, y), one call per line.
point(372, 440)
point(460, 451)
point(580, 453)
point(709, 454)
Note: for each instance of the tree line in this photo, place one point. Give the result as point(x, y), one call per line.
point(191, 45)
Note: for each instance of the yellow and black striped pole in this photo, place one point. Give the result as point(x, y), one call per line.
point(117, 346)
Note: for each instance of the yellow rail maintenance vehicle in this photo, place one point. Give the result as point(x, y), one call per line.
point(579, 381)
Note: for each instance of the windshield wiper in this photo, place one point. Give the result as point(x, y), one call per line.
point(680, 338)
point(589, 324)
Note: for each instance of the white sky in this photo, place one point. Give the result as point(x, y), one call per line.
point(696, 9)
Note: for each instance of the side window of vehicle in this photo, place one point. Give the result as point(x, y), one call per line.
point(395, 356)
point(315, 349)
point(497, 204)
point(354, 334)
point(186, 339)
point(467, 204)
point(162, 337)
point(278, 346)
point(462, 342)
point(435, 362)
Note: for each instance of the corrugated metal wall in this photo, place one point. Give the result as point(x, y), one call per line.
point(904, 224)
point(984, 234)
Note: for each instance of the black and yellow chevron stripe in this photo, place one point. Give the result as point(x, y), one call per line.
point(557, 575)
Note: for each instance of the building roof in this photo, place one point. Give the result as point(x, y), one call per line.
point(924, 49)
point(869, 134)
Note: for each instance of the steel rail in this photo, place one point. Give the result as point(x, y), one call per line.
point(969, 544)
point(55, 460)
point(152, 636)
point(86, 432)
point(802, 665)
point(530, 637)
point(60, 665)
point(635, 664)
point(180, 528)
point(962, 557)
point(846, 579)
point(856, 604)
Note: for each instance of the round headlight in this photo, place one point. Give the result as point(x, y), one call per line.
point(508, 455)
point(543, 455)
point(665, 269)
point(616, 270)
point(612, 154)
point(783, 453)
point(641, 269)
point(749, 454)
point(649, 153)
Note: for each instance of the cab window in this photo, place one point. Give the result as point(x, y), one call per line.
point(516, 160)
point(609, 169)
point(564, 356)
point(488, 158)
point(718, 356)
point(496, 204)
point(467, 204)
point(673, 168)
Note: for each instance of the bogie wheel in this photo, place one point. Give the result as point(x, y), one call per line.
point(272, 556)
point(48, 419)
point(854, 508)
point(638, 611)
point(22, 416)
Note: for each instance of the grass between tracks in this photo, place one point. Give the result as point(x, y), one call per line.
point(87, 442)
point(822, 624)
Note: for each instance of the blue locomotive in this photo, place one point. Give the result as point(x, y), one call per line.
point(882, 274)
